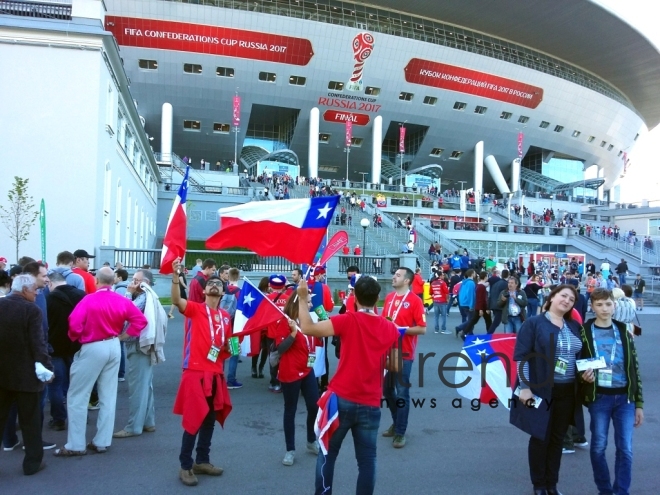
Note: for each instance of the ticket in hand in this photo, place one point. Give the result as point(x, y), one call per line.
point(593, 363)
point(537, 400)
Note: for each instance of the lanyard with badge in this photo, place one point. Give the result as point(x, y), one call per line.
point(311, 353)
point(605, 374)
point(215, 351)
point(561, 364)
point(396, 311)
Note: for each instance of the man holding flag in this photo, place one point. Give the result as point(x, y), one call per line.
point(352, 401)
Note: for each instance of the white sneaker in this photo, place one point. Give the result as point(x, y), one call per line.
point(288, 458)
point(313, 447)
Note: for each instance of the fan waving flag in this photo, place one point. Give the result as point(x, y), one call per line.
point(174, 242)
point(495, 354)
point(254, 312)
point(293, 228)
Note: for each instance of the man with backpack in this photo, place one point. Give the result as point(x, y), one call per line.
point(63, 266)
point(228, 302)
point(198, 283)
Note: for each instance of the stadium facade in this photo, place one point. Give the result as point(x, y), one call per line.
point(473, 83)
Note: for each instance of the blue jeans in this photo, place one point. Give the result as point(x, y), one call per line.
point(363, 422)
point(622, 278)
point(514, 324)
point(397, 386)
point(532, 306)
point(465, 313)
point(441, 309)
point(58, 388)
point(203, 437)
point(466, 316)
point(232, 364)
point(622, 414)
point(291, 392)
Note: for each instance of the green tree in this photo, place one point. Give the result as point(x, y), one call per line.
point(20, 214)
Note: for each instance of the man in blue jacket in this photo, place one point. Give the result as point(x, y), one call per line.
point(467, 298)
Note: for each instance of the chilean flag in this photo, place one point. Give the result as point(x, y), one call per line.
point(293, 228)
point(254, 312)
point(476, 350)
point(327, 420)
point(174, 242)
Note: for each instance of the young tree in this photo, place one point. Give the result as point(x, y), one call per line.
point(19, 216)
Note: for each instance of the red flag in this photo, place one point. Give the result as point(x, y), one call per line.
point(349, 132)
point(174, 242)
point(236, 118)
point(402, 138)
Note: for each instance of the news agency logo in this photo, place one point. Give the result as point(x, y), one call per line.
point(363, 45)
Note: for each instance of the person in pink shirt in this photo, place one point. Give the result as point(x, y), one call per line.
point(96, 322)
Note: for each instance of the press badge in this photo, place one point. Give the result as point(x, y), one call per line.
point(311, 359)
point(561, 366)
point(213, 354)
point(605, 378)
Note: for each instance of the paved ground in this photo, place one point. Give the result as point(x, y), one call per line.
point(449, 451)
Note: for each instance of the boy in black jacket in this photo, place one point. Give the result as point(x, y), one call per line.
point(613, 393)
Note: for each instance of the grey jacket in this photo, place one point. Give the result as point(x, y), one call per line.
point(71, 278)
point(521, 300)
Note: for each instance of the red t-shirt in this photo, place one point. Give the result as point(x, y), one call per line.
point(365, 340)
point(198, 337)
point(439, 291)
point(345, 250)
point(350, 304)
point(410, 314)
point(88, 278)
point(195, 289)
point(417, 284)
point(293, 363)
point(279, 298)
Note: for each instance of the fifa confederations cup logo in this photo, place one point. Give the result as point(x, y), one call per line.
point(363, 45)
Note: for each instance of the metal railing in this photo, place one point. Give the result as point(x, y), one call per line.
point(370, 265)
point(43, 10)
point(634, 249)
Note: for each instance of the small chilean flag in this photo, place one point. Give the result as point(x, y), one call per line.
point(174, 242)
point(327, 420)
point(254, 312)
point(293, 228)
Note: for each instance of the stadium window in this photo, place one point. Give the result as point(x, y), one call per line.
point(267, 76)
point(297, 80)
point(224, 72)
point(576, 133)
point(324, 138)
point(620, 153)
point(636, 136)
point(147, 64)
point(591, 139)
point(356, 142)
point(221, 128)
point(480, 110)
point(192, 125)
point(602, 144)
point(459, 105)
point(506, 115)
point(436, 152)
point(544, 125)
point(372, 91)
point(336, 86)
point(610, 147)
point(406, 96)
point(456, 155)
point(192, 68)
point(430, 100)
point(523, 119)
point(559, 128)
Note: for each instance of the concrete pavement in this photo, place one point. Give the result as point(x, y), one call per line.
point(449, 451)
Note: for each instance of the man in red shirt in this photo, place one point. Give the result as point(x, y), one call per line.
point(203, 397)
point(279, 293)
point(196, 285)
point(357, 251)
point(440, 296)
point(356, 387)
point(406, 310)
point(81, 267)
point(418, 284)
point(345, 250)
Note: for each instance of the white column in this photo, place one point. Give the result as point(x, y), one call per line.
point(313, 156)
point(601, 189)
point(479, 168)
point(515, 175)
point(166, 119)
point(376, 149)
point(496, 174)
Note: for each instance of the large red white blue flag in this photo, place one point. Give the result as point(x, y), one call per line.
point(174, 242)
point(491, 357)
point(293, 228)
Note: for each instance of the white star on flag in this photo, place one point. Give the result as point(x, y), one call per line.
point(323, 212)
point(478, 341)
point(482, 352)
point(248, 299)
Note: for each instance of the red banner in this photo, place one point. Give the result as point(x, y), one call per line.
point(520, 145)
point(349, 132)
point(338, 241)
point(336, 116)
point(472, 82)
point(236, 121)
point(402, 137)
point(211, 40)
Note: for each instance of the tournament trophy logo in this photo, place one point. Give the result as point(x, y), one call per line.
point(363, 45)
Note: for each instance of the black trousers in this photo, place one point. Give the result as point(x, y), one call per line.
point(28, 405)
point(545, 455)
